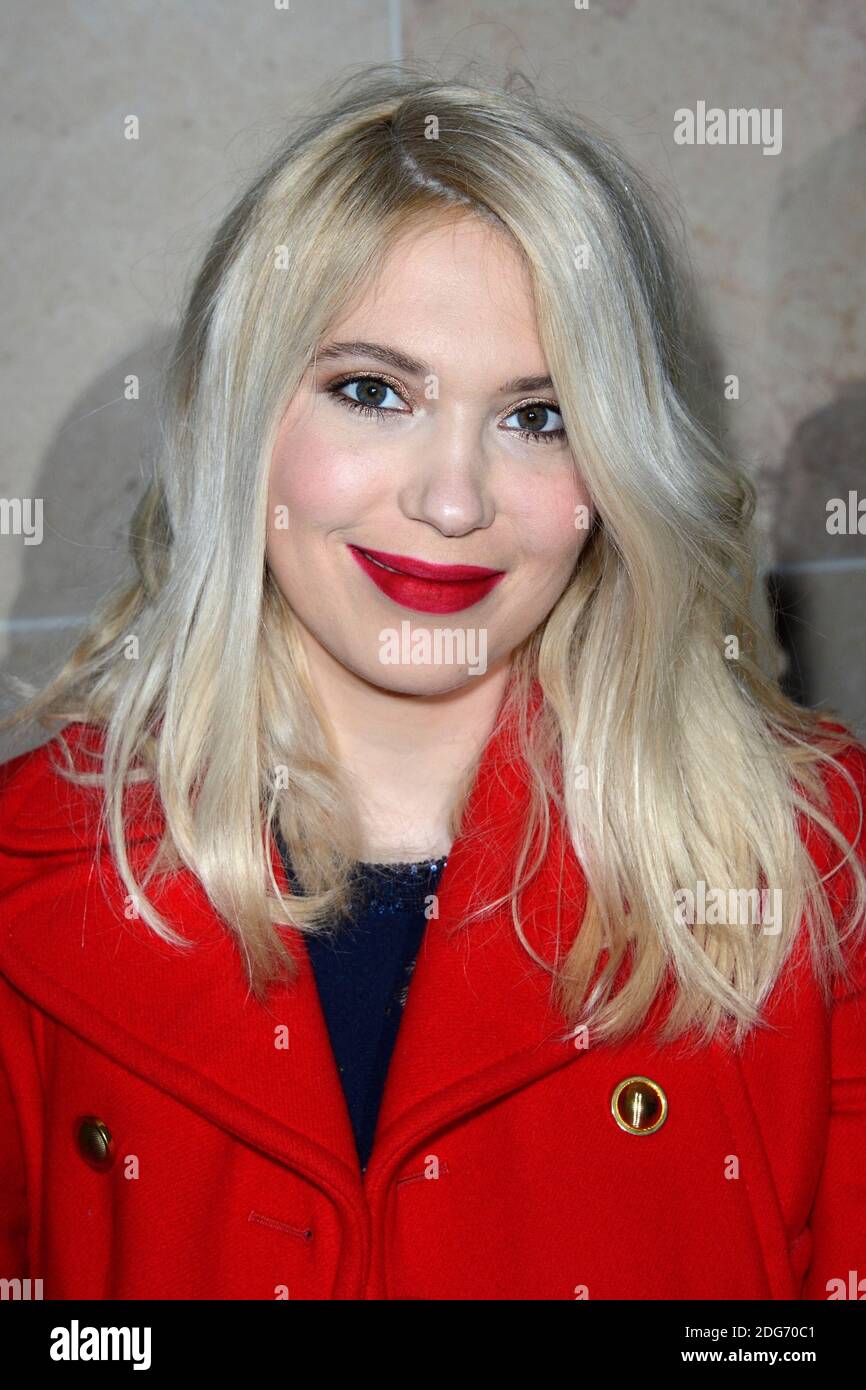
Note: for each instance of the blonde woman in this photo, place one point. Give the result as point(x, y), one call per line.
point(426, 890)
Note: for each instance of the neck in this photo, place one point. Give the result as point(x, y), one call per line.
point(406, 755)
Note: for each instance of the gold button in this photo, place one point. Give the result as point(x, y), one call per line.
point(639, 1105)
point(95, 1143)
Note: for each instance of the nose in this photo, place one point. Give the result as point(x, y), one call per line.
point(447, 480)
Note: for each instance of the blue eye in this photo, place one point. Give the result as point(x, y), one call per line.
point(371, 399)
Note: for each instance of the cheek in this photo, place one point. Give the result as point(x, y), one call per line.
point(322, 484)
point(554, 518)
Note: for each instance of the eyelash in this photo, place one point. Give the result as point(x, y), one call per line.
point(335, 388)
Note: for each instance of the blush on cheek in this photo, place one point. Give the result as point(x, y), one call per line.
point(551, 521)
point(576, 512)
point(320, 485)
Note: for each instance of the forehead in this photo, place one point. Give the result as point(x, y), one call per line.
point(445, 274)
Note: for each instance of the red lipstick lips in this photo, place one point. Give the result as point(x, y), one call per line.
point(426, 587)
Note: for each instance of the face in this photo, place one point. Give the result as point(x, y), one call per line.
point(425, 509)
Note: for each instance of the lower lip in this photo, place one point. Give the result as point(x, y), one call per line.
point(427, 595)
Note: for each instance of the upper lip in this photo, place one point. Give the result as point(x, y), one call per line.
point(423, 569)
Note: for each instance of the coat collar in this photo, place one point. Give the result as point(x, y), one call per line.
point(478, 1022)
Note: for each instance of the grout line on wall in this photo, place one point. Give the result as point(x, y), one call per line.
point(851, 562)
point(50, 624)
point(395, 29)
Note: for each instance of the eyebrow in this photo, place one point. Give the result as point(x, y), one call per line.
point(412, 367)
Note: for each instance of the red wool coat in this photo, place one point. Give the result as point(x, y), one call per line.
point(158, 1141)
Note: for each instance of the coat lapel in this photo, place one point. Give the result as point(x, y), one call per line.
point(477, 1022)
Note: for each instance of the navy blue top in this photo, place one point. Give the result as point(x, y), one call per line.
point(362, 974)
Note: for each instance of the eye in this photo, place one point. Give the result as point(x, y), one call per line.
point(534, 418)
point(373, 391)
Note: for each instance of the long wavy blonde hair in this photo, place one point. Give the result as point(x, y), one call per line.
point(668, 761)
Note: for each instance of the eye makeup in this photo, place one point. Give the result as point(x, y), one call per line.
point(336, 387)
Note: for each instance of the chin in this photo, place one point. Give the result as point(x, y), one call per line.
point(418, 680)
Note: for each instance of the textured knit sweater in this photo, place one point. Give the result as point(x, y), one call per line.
point(363, 966)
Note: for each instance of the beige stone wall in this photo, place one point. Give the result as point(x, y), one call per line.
point(101, 233)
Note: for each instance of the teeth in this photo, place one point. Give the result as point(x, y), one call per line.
point(381, 566)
